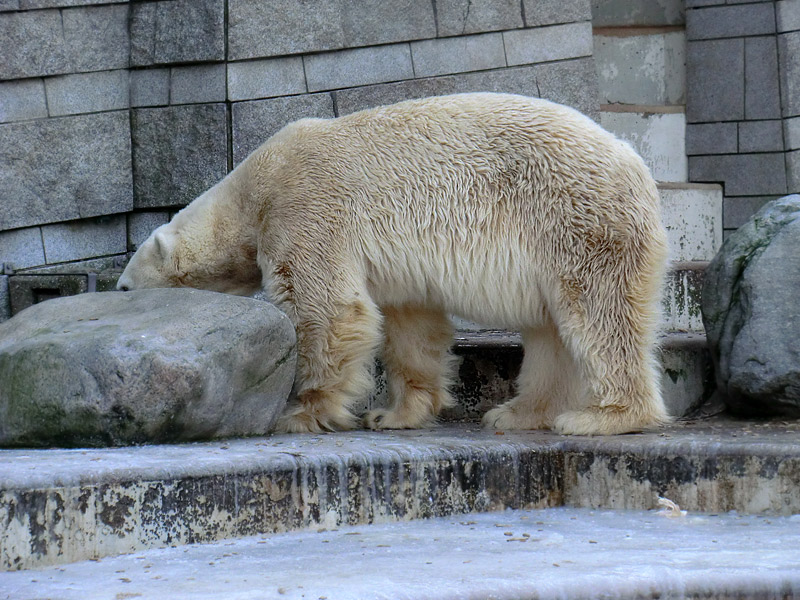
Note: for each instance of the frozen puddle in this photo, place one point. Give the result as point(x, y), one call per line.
point(551, 553)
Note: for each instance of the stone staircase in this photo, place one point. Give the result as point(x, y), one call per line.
point(453, 512)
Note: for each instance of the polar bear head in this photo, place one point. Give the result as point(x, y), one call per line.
point(206, 246)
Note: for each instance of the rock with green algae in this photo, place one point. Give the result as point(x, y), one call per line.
point(751, 312)
point(146, 366)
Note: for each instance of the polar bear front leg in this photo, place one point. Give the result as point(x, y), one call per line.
point(548, 384)
point(335, 350)
point(418, 367)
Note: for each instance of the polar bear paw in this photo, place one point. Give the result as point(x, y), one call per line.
point(389, 419)
point(507, 416)
point(609, 420)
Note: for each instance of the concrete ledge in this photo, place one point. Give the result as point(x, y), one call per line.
point(59, 506)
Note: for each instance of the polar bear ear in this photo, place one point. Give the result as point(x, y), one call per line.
point(163, 244)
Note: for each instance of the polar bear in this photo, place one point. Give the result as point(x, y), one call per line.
point(369, 229)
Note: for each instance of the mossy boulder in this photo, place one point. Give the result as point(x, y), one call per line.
point(751, 312)
point(116, 368)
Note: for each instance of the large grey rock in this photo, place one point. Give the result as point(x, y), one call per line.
point(144, 366)
point(751, 313)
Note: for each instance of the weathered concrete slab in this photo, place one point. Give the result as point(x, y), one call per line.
point(682, 294)
point(658, 137)
point(546, 554)
point(693, 218)
point(641, 69)
point(60, 506)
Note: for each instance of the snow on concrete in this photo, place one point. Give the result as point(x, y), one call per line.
point(551, 553)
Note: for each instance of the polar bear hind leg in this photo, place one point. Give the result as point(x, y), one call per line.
point(418, 367)
point(610, 333)
point(549, 383)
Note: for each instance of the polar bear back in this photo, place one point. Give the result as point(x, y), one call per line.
point(449, 200)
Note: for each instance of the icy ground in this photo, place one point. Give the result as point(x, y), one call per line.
point(553, 553)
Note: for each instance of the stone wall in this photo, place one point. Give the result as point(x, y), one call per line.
point(115, 114)
point(743, 100)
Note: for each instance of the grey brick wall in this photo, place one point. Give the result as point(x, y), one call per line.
point(115, 114)
point(743, 86)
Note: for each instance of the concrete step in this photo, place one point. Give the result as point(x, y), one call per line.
point(488, 363)
point(514, 555)
point(61, 506)
point(641, 65)
point(682, 297)
point(657, 133)
point(692, 214)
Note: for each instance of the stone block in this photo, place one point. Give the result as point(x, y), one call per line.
point(22, 100)
point(21, 248)
point(693, 219)
point(255, 122)
point(96, 37)
point(107, 264)
point(37, 4)
point(87, 92)
point(5, 299)
point(659, 138)
point(550, 12)
point(196, 84)
point(27, 290)
point(788, 51)
point(178, 153)
point(460, 17)
point(52, 42)
point(715, 81)
point(78, 240)
point(712, 138)
point(259, 28)
point(791, 133)
point(6, 5)
point(616, 13)
point(762, 89)
point(737, 211)
point(742, 174)
point(149, 87)
point(141, 225)
point(573, 83)
point(73, 167)
point(761, 136)
point(362, 66)
point(266, 78)
point(788, 15)
point(177, 31)
point(31, 44)
point(730, 21)
point(641, 69)
point(458, 54)
point(367, 23)
point(793, 170)
point(544, 44)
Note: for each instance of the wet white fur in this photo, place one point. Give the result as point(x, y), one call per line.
point(369, 229)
